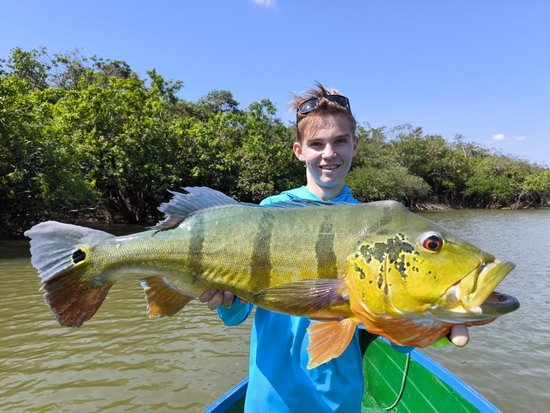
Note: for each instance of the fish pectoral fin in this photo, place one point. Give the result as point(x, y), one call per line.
point(303, 297)
point(329, 340)
point(163, 298)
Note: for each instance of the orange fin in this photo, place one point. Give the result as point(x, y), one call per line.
point(163, 298)
point(73, 301)
point(329, 340)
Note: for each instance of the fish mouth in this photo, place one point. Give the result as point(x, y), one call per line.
point(473, 297)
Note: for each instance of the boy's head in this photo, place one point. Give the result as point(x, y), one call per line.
point(312, 105)
point(326, 140)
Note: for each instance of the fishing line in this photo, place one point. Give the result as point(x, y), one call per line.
point(403, 381)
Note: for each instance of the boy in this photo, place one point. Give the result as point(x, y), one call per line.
point(278, 378)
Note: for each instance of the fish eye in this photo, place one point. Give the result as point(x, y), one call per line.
point(432, 241)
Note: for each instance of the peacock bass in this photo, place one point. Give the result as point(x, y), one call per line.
point(376, 264)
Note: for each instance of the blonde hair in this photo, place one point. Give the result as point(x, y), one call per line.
point(324, 107)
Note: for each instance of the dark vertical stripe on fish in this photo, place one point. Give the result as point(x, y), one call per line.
point(260, 260)
point(196, 245)
point(324, 250)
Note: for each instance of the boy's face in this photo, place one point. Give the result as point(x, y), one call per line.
point(327, 149)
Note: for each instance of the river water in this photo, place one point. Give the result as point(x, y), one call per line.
point(121, 361)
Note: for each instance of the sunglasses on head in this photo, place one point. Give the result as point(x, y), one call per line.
point(310, 104)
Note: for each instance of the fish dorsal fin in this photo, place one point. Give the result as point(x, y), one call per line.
point(182, 205)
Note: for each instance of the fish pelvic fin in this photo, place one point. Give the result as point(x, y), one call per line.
point(163, 298)
point(329, 340)
point(61, 254)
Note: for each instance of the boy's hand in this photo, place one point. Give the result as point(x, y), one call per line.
point(215, 298)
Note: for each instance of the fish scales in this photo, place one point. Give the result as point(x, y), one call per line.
point(375, 264)
point(253, 245)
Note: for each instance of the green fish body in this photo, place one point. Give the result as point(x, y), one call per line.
point(377, 264)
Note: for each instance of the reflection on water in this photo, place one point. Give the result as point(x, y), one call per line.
point(121, 361)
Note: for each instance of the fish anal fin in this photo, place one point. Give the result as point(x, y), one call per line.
point(73, 301)
point(163, 298)
point(305, 297)
point(329, 340)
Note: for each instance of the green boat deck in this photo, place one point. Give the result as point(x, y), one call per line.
point(396, 382)
point(422, 392)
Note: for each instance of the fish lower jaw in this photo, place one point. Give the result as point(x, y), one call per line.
point(469, 294)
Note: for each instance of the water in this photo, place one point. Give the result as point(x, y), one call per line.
point(121, 361)
point(508, 361)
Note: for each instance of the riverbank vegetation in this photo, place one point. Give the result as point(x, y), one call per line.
point(89, 138)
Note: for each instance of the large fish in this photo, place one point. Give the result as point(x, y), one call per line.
point(376, 264)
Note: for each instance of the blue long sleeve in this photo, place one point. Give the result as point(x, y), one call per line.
point(235, 314)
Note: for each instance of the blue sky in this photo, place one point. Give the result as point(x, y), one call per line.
point(476, 67)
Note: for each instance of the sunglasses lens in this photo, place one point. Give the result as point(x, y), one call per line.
point(341, 100)
point(307, 106)
point(312, 103)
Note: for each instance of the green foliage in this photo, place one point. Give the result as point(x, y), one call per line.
point(443, 166)
point(377, 173)
point(267, 164)
point(499, 181)
point(81, 133)
point(536, 187)
point(393, 182)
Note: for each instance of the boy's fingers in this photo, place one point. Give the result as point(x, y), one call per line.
point(459, 335)
point(207, 296)
point(216, 300)
point(228, 297)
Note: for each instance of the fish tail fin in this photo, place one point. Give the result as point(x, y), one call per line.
point(73, 287)
point(163, 298)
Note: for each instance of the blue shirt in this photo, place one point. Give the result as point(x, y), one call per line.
point(278, 378)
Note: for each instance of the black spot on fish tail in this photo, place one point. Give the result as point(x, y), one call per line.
point(196, 246)
point(324, 250)
point(260, 260)
point(78, 256)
